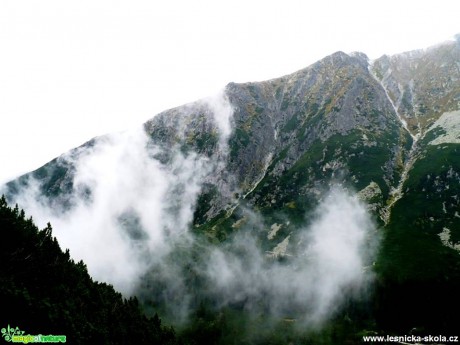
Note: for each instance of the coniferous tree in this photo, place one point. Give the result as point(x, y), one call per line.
point(43, 291)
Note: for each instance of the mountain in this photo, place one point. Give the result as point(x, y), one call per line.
point(260, 160)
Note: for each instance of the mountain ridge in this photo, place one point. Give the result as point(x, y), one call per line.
point(260, 158)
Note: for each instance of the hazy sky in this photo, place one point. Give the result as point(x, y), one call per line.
point(71, 70)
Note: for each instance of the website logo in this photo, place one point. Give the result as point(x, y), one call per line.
point(15, 335)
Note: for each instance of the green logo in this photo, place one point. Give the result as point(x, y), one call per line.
point(9, 332)
point(15, 335)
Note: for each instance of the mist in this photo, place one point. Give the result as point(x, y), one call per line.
point(131, 221)
point(130, 199)
point(125, 206)
point(324, 264)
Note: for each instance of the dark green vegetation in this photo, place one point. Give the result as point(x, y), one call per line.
point(43, 291)
point(235, 326)
point(419, 276)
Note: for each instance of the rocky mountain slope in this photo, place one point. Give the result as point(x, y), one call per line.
point(387, 129)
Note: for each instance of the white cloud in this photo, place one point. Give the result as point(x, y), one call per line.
point(135, 203)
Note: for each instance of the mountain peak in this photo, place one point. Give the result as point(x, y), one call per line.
point(240, 176)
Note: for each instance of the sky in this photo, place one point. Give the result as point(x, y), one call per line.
point(72, 70)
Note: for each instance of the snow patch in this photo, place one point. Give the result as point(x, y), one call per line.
point(280, 249)
point(450, 123)
point(273, 230)
point(445, 239)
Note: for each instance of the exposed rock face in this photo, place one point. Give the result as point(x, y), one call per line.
point(306, 127)
point(336, 96)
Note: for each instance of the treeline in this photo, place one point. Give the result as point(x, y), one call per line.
point(43, 291)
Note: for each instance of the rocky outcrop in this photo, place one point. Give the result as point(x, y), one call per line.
point(423, 84)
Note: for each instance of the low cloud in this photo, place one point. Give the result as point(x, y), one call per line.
point(222, 113)
point(130, 204)
point(130, 200)
point(324, 264)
